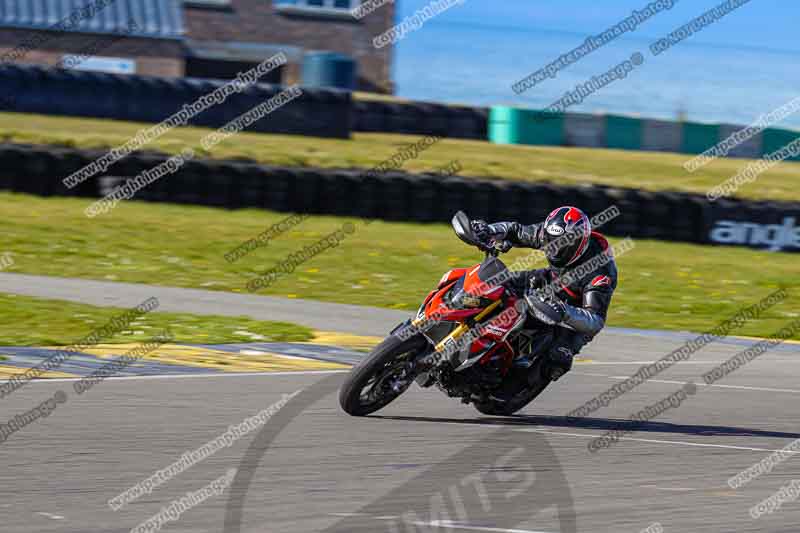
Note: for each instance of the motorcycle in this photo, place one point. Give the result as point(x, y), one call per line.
point(472, 337)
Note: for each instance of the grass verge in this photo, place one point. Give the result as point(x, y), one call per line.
point(662, 285)
point(652, 171)
point(26, 321)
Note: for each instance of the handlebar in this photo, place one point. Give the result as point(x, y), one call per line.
point(490, 251)
point(462, 225)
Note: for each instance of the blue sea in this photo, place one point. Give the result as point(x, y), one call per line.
point(477, 64)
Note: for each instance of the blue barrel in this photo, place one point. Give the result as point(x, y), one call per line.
point(329, 69)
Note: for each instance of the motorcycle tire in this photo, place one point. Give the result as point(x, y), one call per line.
point(389, 354)
point(510, 406)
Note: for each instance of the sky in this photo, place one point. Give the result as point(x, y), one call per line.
point(761, 23)
point(731, 71)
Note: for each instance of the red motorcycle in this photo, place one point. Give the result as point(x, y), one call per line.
point(472, 337)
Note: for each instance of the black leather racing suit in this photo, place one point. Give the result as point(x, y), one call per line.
point(585, 287)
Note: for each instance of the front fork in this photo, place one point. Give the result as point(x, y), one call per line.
point(430, 360)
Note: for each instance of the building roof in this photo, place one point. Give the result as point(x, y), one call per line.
point(154, 18)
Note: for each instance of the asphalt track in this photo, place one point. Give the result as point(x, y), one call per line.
point(456, 469)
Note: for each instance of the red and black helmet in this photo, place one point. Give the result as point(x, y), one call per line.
point(566, 232)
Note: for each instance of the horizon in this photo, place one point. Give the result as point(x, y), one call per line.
point(473, 52)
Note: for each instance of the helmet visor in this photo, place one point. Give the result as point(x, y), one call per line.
point(560, 249)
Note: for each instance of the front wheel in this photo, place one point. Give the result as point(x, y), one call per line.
point(380, 377)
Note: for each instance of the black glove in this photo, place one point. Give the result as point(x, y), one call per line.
point(539, 278)
point(492, 235)
point(481, 230)
point(546, 307)
point(502, 246)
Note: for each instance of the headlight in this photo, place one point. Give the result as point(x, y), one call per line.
point(468, 300)
point(464, 300)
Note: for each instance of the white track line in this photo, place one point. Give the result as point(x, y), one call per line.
point(51, 516)
point(654, 441)
point(455, 525)
point(448, 524)
point(671, 489)
point(592, 374)
point(609, 363)
point(185, 376)
point(699, 384)
point(742, 387)
point(593, 362)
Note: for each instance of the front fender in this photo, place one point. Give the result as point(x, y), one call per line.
point(400, 327)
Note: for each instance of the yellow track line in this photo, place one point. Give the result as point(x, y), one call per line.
point(8, 371)
point(217, 359)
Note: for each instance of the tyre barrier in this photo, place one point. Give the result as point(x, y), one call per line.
point(397, 196)
point(424, 198)
point(421, 119)
point(34, 89)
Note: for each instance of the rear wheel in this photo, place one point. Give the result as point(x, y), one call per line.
point(509, 402)
point(380, 377)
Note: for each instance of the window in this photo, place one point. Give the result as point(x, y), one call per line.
point(317, 5)
point(114, 65)
point(207, 3)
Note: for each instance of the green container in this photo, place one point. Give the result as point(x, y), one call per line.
point(623, 133)
point(774, 139)
point(329, 69)
point(697, 138)
point(512, 125)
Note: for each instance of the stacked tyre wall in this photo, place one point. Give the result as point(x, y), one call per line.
point(509, 125)
point(421, 119)
point(405, 197)
point(32, 89)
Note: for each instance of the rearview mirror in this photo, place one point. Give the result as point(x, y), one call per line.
point(463, 228)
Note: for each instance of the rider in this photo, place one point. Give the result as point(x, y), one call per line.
point(575, 291)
